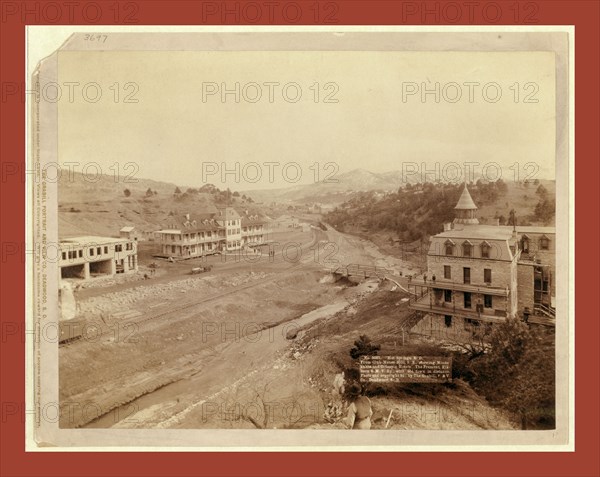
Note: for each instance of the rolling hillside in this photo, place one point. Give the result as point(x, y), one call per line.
point(103, 207)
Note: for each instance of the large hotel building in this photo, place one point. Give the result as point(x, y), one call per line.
point(485, 273)
point(203, 234)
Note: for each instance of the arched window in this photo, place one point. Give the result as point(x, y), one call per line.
point(485, 250)
point(544, 243)
point(449, 246)
point(467, 248)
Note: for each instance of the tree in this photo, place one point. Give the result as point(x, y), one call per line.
point(127, 192)
point(517, 372)
point(149, 192)
point(364, 347)
point(544, 210)
point(501, 186)
point(177, 190)
point(236, 194)
point(541, 191)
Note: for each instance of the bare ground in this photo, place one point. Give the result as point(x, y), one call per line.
point(247, 349)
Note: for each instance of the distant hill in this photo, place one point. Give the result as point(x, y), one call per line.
point(336, 190)
point(102, 206)
point(348, 183)
point(418, 211)
point(105, 205)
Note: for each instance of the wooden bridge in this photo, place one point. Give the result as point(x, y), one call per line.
point(363, 271)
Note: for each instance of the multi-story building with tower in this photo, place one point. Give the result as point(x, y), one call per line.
point(479, 273)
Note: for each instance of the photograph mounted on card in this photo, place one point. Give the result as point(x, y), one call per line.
point(267, 240)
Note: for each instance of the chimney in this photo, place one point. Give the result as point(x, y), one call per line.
point(447, 226)
point(187, 216)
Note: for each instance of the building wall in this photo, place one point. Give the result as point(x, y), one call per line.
point(502, 272)
point(460, 329)
point(198, 243)
point(498, 303)
point(504, 275)
point(97, 258)
point(525, 293)
point(546, 257)
point(253, 234)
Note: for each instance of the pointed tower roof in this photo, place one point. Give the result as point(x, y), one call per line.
point(466, 201)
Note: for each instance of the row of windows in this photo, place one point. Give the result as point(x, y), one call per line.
point(202, 247)
point(487, 274)
point(467, 249)
point(94, 251)
point(543, 242)
point(200, 235)
point(468, 323)
point(487, 299)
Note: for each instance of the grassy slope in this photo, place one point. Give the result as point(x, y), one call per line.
point(100, 207)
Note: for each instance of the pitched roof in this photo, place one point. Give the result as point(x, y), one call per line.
point(253, 220)
point(227, 213)
point(465, 202)
point(191, 222)
point(477, 232)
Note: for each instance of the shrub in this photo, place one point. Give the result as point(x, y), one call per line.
point(364, 347)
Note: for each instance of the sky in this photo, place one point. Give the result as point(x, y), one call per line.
point(165, 113)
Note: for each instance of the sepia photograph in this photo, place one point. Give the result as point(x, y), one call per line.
point(268, 239)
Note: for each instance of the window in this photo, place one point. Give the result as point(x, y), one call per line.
point(105, 249)
point(544, 243)
point(129, 246)
point(80, 253)
point(487, 301)
point(118, 248)
point(99, 251)
point(525, 244)
point(449, 248)
point(467, 301)
point(487, 275)
point(467, 249)
point(91, 252)
point(447, 272)
point(470, 324)
point(448, 320)
point(485, 250)
point(448, 296)
point(64, 255)
point(466, 275)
